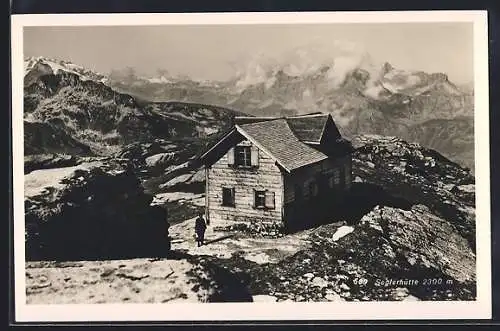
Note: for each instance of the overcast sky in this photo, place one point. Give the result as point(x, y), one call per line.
point(213, 52)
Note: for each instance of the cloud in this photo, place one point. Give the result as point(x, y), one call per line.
point(340, 56)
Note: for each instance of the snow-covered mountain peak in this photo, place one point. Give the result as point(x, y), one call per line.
point(35, 67)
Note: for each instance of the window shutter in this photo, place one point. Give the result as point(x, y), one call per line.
point(233, 197)
point(254, 198)
point(230, 157)
point(254, 156)
point(269, 199)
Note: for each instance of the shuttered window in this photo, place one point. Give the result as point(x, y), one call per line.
point(264, 199)
point(259, 199)
point(243, 156)
point(228, 196)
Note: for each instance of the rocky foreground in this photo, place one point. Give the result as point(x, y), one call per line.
point(406, 232)
point(95, 210)
point(132, 281)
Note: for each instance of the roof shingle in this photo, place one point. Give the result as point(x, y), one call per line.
point(308, 128)
point(277, 138)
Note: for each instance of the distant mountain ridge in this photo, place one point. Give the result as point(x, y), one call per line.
point(71, 110)
point(366, 98)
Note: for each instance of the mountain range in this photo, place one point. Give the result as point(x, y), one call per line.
point(70, 110)
point(376, 99)
point(106, 112)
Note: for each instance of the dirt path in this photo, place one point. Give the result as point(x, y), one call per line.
point(223, 244)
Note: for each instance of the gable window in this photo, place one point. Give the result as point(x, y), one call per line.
point(243, 156)
point(264, 199)
point(228, 196)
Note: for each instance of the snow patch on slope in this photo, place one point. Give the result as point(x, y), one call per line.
point(342, 232)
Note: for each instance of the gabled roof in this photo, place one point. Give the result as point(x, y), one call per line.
point(277, 138)
point(285, 139)
point(239, 120)
point(308, 128)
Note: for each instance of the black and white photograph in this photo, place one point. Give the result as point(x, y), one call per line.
point(271, 163)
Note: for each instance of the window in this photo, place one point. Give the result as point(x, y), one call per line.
point(334, 179)
point(228, 196)
point(243, 156)
point(264, 200)
point(260, 199)
point(331, 183)
point(313, 189)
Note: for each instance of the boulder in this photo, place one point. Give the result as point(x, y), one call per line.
point(160, 159)
point(319, 282)
point(95, 210)
point(425, 241)
point(427, 178)
point(344, 287)
point(309, 275)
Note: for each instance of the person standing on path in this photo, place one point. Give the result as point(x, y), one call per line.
point(199, 228)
